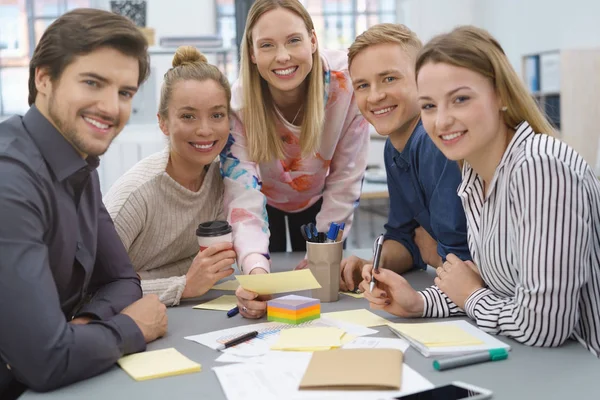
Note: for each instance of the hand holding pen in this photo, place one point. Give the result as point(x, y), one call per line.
point(377, 247)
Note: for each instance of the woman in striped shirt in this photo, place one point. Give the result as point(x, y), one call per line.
point(532, 205)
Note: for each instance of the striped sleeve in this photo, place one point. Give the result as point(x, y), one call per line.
point(438, 305)
point(551, 241)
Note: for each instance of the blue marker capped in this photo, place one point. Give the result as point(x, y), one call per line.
point(334, 228)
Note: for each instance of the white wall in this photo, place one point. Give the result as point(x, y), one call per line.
point(428, 18)
point(530, 26)
point(521, 26)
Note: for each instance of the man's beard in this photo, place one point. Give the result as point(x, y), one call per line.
point(69, 131)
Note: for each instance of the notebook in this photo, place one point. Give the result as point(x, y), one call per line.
point(447, 338)
point(372, 369)
point(157, 364)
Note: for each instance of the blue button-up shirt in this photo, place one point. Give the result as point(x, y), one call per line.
point(422, 184)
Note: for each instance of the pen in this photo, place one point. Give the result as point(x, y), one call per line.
point(469, 359)
point(341, 232)
point(377, 250)
point(238, 340)
point(234, 311)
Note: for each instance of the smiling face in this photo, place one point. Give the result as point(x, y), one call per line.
point(90, 102)
point(282, 49)
point(385, 90)
point(461, 113)
point(197, 122)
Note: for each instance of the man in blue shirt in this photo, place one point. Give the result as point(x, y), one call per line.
point(426, 220)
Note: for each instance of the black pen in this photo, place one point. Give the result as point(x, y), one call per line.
point(238, 340)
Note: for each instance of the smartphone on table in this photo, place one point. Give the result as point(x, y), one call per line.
point(453, 391)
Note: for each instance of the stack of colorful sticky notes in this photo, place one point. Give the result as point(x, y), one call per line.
point(293, 309)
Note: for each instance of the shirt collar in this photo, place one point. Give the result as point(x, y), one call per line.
point(402, 158)
point(523, 132)
point(62, 159)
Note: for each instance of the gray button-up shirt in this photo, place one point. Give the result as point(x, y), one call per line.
point(60, 257)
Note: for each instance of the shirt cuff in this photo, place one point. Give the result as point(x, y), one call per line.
point(255, 260)
point(474, 299)
point(133, 339)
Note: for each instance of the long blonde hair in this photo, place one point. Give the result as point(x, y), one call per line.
point(475, 49)
point(264, 143)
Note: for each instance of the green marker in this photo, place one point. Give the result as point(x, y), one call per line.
point(469, 359)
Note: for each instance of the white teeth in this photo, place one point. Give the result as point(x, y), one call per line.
point(203, 146)
point(96, 123)
point(284, 72)
point(453, 135)
point(378, 112)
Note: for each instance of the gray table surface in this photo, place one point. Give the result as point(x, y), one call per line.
point(529, 373)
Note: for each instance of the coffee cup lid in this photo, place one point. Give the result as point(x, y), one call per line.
point(213, 228)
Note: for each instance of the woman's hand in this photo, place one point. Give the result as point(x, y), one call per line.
point(458, 279)
point(392, 293)
point(251, 304)
point(350, 273)
point(209, 266)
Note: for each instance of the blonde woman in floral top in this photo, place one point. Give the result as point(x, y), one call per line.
point(299, 144)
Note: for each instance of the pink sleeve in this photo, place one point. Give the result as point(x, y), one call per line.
point(346, 172)
point(245, 204)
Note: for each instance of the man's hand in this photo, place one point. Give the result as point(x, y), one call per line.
point(209, 267)
point(150, 315)
point(427, 247)
point(458, 279)
point(252, 305)
point(350, 273)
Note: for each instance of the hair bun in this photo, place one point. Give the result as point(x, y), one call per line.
point(188, 55)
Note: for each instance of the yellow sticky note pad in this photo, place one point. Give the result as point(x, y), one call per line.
point(222, 303)
point(309, 339)
point(279, 282)
point(437, 335)
point(347, 338)
point(157, 364)
point(360, 317)
point(230, 285)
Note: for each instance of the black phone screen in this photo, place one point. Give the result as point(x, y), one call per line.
point(448, 392)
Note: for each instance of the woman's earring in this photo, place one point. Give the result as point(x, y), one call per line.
point(504, 109)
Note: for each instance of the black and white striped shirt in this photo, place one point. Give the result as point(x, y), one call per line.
point(536, 241)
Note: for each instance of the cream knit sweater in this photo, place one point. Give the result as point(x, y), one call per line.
point(156, 219)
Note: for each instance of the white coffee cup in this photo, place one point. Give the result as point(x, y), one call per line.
point(213, 232)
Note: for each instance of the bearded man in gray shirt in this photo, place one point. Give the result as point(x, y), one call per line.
point(70, 301)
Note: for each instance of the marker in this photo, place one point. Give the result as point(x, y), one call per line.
point(234, 311)
point(238, 340)
point(378, 246)
point(333, 233)
point(470, 359)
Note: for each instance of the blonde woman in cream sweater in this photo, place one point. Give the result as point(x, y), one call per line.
point(157, 205)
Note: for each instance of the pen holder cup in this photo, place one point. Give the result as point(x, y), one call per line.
point(324, 262)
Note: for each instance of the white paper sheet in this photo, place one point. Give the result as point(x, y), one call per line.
point(377, 343)
point(268, 335)
point(281, 381)
point(272, 357)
